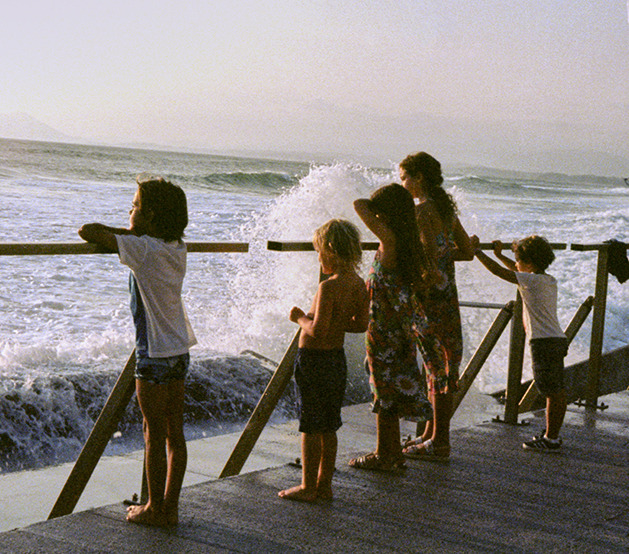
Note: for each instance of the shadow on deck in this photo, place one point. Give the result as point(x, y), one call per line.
point(492, 496)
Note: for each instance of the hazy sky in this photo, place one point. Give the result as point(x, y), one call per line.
point(382, 77)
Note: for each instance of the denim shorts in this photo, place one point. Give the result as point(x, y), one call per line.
point(161, 371)
point(547, 356)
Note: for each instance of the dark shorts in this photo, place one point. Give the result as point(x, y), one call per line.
point(161, 371)
point(321, 376)
point(548, 369)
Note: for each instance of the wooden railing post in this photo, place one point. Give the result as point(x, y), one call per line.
point(482, 352)
point(598, 326)
point(262, 413)
point(94, 447)
point(516, 359)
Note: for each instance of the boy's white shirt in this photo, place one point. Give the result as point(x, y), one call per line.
point(159, 268)
point(539, 298)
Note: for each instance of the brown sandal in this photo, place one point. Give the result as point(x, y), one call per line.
point(427, 451)
point(373, 462)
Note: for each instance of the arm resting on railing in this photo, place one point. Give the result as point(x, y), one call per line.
point(103, 236)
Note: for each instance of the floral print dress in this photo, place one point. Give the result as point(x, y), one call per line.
point(440, 337)
point(394, 375)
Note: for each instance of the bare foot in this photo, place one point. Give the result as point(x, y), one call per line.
point(145, 515)
point(324, 493)
point(299, 494)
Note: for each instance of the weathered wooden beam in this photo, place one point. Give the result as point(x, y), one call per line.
point(93, 449)
point(482, 352)
point(66, 248)
point(598, 326)
point(262, 412)
point(300, 246)
point(517, 342)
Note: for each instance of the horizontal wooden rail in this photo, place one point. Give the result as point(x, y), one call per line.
point(217, 247)
point(301, 246)
point(294, 246)
point(64, 248)
point(489, 305)
point(588, 247)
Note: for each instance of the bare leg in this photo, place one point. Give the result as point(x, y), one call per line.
point(388, 441)
point(556, 405)
point(329, 446)
point(423, 432)
point(177, 451)
point(437, 447)
point(310, 460)
point(152, 399)
point(429, 427)
point(442, 405)
point(428, 430)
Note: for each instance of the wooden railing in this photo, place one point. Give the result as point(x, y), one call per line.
point(516, 402)
point(283, 373)
point(64, 248)
point(598, 317)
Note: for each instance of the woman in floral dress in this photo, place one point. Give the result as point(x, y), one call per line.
point(440, 339)
point(395, 282)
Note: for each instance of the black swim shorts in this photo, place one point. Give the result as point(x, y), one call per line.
point(548, 368)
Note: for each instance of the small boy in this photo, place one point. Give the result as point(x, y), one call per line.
point(341, 305)
point(548, 342)
point(152, 248)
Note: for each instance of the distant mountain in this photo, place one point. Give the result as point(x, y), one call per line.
point(23, 126)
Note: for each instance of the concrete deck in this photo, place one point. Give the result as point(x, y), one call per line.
point(492, 496)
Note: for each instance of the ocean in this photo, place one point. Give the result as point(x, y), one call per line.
point(65, 326)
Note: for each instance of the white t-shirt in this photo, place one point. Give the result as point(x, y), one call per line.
point(539, 299)
point(159, 268)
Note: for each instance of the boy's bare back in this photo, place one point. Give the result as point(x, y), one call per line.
point(341, 305)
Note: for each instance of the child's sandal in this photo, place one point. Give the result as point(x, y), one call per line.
point(412, 442)
point(427, 451)
point(373, 462)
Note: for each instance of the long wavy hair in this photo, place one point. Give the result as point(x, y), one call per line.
point(424, 165)
point(396, 205)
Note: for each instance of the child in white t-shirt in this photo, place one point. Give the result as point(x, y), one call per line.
point(547, 340)
point(152, 248)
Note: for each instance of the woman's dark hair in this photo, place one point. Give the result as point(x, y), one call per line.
point(168, 204)
point(423, 164)
point(396, 205)
point(535, 250)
